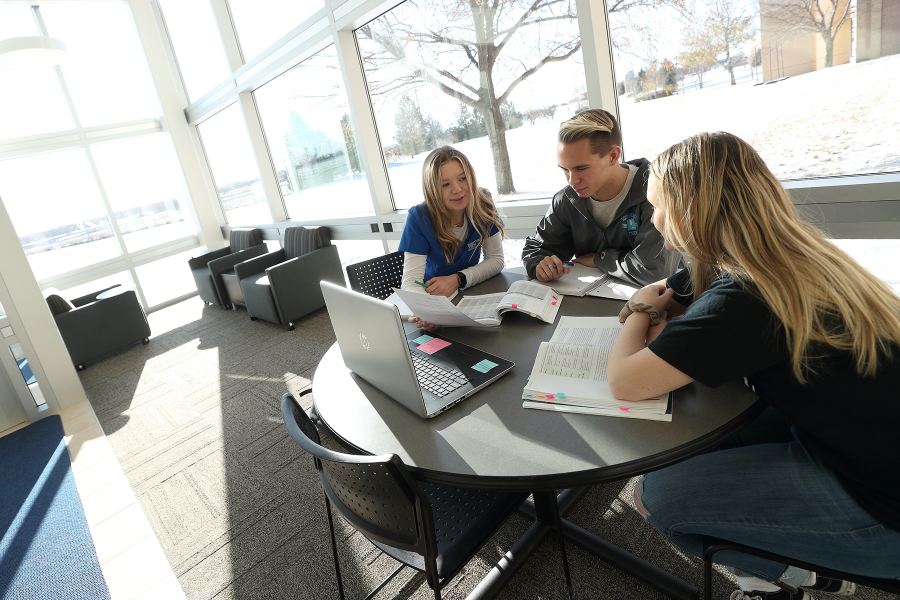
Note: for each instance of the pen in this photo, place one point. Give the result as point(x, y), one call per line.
point(567, 264)
point(422, 284)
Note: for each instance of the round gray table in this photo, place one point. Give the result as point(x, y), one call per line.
point(490, 442)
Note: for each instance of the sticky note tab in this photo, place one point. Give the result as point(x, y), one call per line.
point(529, 395)
point(515, 306)
point(433, 346)
point(534, 315)
point(422, 339)
point(553, 303)
point(555, 298)
point(623, 408)
point(541, 396)
point(560, 394)
point(484, 366)
point(550, 395)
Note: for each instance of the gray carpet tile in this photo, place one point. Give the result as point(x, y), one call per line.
point(194, 418)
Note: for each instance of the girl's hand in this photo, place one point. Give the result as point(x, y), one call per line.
point(422, 324)
point(656, 295)
point(443, 286)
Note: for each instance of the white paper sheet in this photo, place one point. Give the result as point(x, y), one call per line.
point(437, 310)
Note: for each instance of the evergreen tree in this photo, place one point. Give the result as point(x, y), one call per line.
point(410, 127)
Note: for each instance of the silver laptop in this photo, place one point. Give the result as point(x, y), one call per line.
point(375, 346)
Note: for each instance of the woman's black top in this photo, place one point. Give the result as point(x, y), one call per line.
point(848, 421)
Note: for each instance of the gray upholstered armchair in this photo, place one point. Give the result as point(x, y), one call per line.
point(92, 326)
point(282, 286)
point(207, 269)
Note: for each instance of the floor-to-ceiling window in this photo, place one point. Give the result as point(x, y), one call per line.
point(87, 175)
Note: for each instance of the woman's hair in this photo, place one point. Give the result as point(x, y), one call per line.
point(727, 213)
point(595, 124)
point(480, 210)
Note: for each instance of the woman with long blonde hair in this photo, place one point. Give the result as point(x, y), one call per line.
point(767, 298)
point(444, 236)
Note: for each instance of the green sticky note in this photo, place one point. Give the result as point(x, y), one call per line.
point(484, 366)
point(422, 339)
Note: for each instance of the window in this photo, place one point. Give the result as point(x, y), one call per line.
point(355, 251)
point(233, 166)
point(168, 278)
point(37, 106)
point(106, 73)
point(813, 101)
point(145, 191)
point(878, 256)
point(259, 24)
point(306, 118)
point(497, 92)
point(56, 208)
point(198, 46)
point(124, 279)
point(25, 370)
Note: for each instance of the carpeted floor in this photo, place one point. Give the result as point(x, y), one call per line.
point(194, 420)
point(46, 549)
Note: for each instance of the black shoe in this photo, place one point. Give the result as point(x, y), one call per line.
point(779, 595)
point(838, 587)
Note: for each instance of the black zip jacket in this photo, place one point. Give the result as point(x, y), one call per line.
point(630, 249)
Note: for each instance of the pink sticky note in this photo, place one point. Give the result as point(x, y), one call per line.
point(550, 395)
point(515, 306)
point(433, 346)
point(555, 298)
point(620, 408)
point(553, 303)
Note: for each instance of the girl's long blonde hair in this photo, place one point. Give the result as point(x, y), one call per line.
point(727, 213)
point(480, 210)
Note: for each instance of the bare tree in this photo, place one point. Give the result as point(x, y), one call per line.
point(477, 51)
point(701, 50)
point(730, 25)
point(825, 17)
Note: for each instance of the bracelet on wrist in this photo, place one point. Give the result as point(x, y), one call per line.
point(633, 307)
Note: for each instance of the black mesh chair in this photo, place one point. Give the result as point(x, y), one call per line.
point(714, 545)
point(431, 528)
point(378, 276)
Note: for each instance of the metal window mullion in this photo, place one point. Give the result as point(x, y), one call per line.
point(206, 172)
point(264, 162)
point(362, 117)
point(228, 33)
point(110, 213)
point(597, 50)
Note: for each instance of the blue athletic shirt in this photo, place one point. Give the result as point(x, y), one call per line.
point(418, 237)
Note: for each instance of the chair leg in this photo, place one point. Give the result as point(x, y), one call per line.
point(707, 575)
point(337, 565)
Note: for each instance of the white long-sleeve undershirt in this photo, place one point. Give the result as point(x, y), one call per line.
point(493, 262)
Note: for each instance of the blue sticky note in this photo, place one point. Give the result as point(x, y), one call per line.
point(484, 366)
point(423, 339)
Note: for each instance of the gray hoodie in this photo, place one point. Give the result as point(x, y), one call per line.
point(630, 249)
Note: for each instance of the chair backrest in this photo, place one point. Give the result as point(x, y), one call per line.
point(303, 240)
point(57, 304)
point(377, 277)
point(241, 239)
point(375, 494)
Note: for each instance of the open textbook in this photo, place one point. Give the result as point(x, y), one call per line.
point(569, 373)
point(530, 298)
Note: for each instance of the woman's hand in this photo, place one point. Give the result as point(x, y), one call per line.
point(443, 286)
point(657, 295)
point(422, 324)
point(657, 329)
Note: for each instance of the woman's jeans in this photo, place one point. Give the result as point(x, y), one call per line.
point(764, 490)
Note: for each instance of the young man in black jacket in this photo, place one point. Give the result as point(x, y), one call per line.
point(602, 218)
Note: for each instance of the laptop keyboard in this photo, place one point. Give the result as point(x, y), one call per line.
point(435, 379)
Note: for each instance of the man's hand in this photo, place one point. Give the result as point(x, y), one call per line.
point(587, 260)
point(443, 286)
point(550, 268)
point(656, 295)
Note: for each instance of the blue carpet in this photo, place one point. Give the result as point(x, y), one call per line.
point(46, 550)
point(26, 371)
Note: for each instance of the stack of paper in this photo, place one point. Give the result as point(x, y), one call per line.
point(569, 373)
